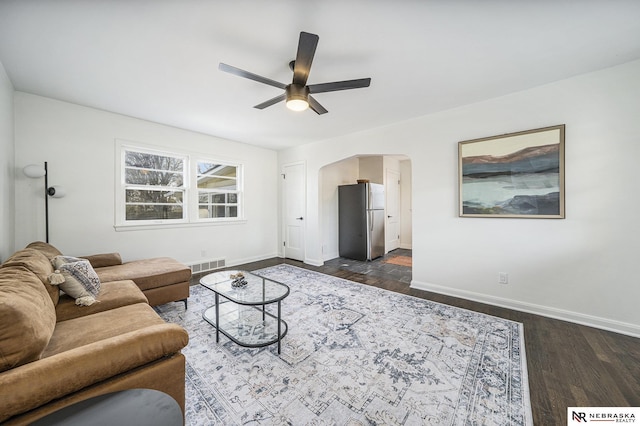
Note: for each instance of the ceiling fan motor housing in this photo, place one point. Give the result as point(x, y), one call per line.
point(297, 92)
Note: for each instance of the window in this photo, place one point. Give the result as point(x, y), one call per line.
point(154, 186)
point(218, 194)
point(161, 188)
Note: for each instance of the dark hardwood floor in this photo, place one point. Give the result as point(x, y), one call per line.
point(569, 365)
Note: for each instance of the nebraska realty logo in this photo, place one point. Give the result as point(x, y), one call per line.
point(581, 415)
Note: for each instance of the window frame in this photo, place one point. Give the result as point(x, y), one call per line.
point(190, 190)
point(196, 190)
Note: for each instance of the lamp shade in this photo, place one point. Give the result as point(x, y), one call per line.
point(34, 171)
point(56, 191)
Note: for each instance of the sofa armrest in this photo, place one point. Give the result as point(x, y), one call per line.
point(34, 384)
point(103, 259)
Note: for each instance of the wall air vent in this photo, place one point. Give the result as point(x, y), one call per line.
point(209, 265)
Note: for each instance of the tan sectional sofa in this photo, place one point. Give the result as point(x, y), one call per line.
point(54, 353)
point(161, 279)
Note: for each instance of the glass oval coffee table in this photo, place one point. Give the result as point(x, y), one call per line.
point(241, 315)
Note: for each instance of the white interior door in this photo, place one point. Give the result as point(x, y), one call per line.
point(294, 195)
point(392, 228)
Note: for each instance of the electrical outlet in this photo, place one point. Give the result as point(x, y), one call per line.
point(503, 278)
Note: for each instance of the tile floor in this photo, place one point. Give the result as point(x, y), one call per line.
point(376, 267)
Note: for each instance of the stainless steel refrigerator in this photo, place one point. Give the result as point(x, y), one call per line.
point(361, 221)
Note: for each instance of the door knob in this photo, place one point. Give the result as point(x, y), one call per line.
point(299, 218)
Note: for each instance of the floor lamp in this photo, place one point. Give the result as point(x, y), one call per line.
point(36, 171)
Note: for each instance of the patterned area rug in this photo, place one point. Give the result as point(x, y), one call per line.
point(400, 260)
point(356, 355)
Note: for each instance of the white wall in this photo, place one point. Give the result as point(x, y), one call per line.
point(582, 268)
point(79, 145)
point(372, 169)
point(7, 166)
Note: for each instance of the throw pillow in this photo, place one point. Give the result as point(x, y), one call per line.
point(80, 279)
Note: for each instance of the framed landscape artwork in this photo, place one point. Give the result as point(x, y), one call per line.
point(517, 175)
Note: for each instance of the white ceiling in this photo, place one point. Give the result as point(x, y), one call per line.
point(158, 59)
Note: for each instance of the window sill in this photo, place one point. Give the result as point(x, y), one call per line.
point(150, 226)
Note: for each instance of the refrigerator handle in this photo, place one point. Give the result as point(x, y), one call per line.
point(371, 217)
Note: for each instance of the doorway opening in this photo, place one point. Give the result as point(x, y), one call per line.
point(394, 173)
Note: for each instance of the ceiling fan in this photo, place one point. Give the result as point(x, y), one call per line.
point(298, 94)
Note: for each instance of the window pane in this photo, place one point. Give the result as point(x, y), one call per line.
point(218, 176)
point(153, 177)
point(151, 196)
point(218, 198)
point(153, 212)
point(143, 160)
point(217, 183)
point(216, 211)
point(207, 168)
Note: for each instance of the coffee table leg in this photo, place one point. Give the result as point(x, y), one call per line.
point(263, 299)
point(217, 318)
point(279, 331)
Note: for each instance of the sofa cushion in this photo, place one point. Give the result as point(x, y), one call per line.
point(80, 280)
point(113, 294)
point(46, 248)
point(27, 317)
point(78, 332)
point(104, 259)
point(36, 261)
point(147, 273)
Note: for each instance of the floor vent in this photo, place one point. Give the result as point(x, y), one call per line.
point(210, 265)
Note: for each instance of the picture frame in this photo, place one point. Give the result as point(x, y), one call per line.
point(514, 175)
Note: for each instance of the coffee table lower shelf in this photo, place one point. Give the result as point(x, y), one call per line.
point(249, 326)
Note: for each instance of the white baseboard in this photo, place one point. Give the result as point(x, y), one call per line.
point(546, 311)
point(234, 262)
point(312, 262)
point(406, 246)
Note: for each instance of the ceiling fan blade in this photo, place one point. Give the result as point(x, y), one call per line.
point(271, 101)
point(315, 105)
point(339, 85)
point(251, 76)
point(306, 50)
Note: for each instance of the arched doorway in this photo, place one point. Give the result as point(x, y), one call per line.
point(393, 171)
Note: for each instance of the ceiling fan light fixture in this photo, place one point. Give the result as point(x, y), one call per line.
point(297, 104)
point(297, 97)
